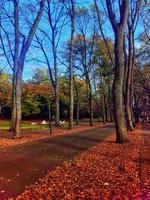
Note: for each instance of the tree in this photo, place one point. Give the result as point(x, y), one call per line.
point(130, 59)
point(84, 49)
point(48, 39)
point(119, 29)
point(35, 99)
point(40, 76)
point(70, 6)
point(142, 95)
point(105, 75)
point(80, 88)
point(22, 42)
point(5, 94)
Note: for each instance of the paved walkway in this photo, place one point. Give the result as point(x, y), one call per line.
point(24, 164)
point(145, 156)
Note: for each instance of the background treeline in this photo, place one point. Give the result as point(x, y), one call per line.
point(97, 58)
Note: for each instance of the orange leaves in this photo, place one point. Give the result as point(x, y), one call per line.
point(107, 171)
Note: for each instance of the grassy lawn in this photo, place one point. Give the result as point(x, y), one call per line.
point(5, 124)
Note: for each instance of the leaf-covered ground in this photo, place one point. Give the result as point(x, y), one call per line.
point(107, 171)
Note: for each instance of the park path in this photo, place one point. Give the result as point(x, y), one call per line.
point(145, 156)
point(24, 164)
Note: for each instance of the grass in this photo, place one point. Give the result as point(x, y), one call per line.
point(5, 124)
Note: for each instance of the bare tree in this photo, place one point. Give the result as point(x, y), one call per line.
point(48, 39)
point(84, 49)
point(18, 52)
point(70, 6)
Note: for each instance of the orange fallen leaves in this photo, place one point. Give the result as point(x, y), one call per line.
point(107, 171)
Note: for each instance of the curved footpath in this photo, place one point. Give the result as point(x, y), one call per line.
point(24, 164)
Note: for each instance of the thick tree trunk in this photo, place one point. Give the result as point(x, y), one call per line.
point(119, 115)
point(17, 74)
point(19, 58)
point(119, 29)
point(16, 104)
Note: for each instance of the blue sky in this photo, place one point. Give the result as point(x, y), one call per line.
point(32, 65)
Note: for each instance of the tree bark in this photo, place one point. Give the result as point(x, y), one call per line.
point(56, 87)
point(119, 114)
point(16, 90)
point(71, 96)
point(103, 109)
point(129, 84)
point(18, 65)
point(16, 106)
point(119, 29)
point(106, 110)
point(91, 105)
point(77, 106)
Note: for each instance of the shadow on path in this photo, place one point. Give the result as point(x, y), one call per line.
point(24, 164)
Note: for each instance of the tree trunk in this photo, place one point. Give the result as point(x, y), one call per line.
point(16, 104)
point(106, 111)
point(17, 74)
point(110, 103)
point(56, 89)
point(71, 100)
point(119, 115)
point(57, 123)
point(18, 64)
point(71, 96)
point(90, 104)
point(136, 109)
point(119, 29)
point(131, 89)
point(129, 85)
point(78, 106)
point(103, 109)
